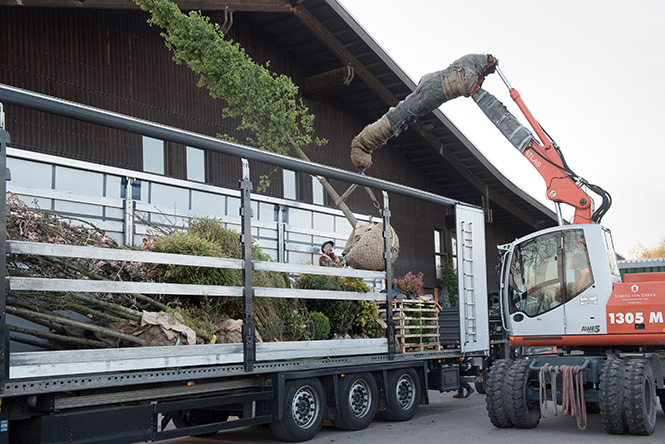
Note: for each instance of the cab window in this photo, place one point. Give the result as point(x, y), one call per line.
point(534, 282)
point(547, 271)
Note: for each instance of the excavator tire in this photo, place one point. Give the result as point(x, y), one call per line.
point(640, 397)
point(524, 414)
point(494, 400)
point(610, 390)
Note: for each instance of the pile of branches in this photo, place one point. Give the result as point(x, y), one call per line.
point(102, 320)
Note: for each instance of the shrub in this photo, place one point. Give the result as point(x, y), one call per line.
point(320, 325)
point(295, 326)
point(208, 236)
point(410, 285)
point(345, 317)
point(365, 322)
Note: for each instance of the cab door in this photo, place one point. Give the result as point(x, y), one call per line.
point(533, 286)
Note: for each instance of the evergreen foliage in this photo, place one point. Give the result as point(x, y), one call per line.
point(266, 103)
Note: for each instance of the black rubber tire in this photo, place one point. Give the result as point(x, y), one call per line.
point(495, 399)
point(524, 414)
point(480, 385)
point(304, 411)
point(640, 397)
point(610, 392)
point(358, 402)
point(402, 396)
point(189, 418)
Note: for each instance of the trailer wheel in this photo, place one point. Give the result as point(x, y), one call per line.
point(402, 396)
point(610, 392)
point(358, 402)
point(495, 399)
point(523, 413)
point(304, 408)
point(189, 418)
point(640, 397)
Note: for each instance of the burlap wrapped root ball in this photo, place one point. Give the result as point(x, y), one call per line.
point(230, 331)
point(365, 247)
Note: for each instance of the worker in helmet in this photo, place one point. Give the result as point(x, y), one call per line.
point(328, 258)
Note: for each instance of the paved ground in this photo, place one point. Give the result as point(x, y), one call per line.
point(449, 420)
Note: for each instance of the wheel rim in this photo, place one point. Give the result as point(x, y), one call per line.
point(360, 398)
point(305, 407)
point(404, 392)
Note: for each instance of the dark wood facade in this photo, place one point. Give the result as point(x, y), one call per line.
point(112, 59)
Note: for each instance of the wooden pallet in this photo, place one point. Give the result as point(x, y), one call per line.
point(416, 325)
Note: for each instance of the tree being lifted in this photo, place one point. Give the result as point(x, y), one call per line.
point(266, 103)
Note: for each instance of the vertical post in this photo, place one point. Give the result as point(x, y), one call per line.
point(129, 212)
point(387, 254)
point(281, 253)
point(248, 328)
point(4, 332)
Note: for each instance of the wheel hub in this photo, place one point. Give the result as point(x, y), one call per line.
point(404, 390)
point(359, 399)
point(304, 407)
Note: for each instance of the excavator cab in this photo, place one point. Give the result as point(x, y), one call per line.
point(557, 282)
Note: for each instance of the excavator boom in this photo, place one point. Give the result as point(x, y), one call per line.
point(563, 186)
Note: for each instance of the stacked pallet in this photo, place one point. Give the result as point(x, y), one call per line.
point(416, 325)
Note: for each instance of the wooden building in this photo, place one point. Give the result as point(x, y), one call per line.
point(102, 53)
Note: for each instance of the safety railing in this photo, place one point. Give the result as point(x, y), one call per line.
point(25, 365)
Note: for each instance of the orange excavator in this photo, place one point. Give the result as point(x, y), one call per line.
point(560, 287)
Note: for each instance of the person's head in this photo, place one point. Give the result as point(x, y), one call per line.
point(327, 247)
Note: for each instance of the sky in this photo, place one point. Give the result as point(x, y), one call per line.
point(589, 70)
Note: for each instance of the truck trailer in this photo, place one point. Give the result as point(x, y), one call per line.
point(126, 395)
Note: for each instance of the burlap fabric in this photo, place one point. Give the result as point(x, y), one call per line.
point(455, 84)
point(371, 138)
point(364, 248)
point(230, 330)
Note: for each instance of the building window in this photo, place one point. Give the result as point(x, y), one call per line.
point(318, 194)
point(153, 155)
point(289, 184)
point(445, 249)
point(439, 251)
point(196, 164)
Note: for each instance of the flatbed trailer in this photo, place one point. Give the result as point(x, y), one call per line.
point(126, 395)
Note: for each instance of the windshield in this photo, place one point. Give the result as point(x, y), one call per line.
point(547, 270)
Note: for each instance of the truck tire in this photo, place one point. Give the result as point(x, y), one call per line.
point(480, 383)
point(189, 418)
point(495, 399)
point(402, 396)
point(523, 413)
point(640, 397)
point(358, 402)
point(610, 392)
point(304, 408)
